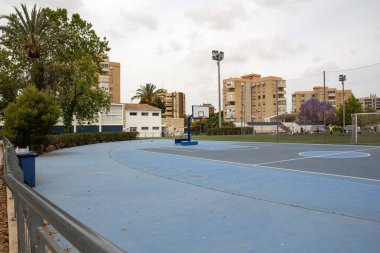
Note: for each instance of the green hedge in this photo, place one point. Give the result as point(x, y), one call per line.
point(48, 143)
point(228, 130)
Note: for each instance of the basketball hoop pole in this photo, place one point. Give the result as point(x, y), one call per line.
point(188, 128)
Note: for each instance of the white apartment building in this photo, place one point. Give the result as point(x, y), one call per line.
point(143, 118)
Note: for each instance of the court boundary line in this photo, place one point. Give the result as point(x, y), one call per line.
point(364, 154)
point(209, 149)
point(263, 165)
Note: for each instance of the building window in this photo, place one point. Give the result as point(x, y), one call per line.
point(133, 129)
point(144, 114)
point(156, 128)
point(144, 128)
point(156, 114)
point(133, 113)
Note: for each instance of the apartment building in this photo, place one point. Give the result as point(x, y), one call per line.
point(333, 97)
point(252, 98)
point(109, 80)
point(370, 102)
point(175, 103)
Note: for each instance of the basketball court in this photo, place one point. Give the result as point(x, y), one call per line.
point(155, 196)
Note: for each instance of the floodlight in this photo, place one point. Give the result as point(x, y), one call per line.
point(214, 55)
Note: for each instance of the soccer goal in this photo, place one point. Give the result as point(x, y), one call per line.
point(365, 128)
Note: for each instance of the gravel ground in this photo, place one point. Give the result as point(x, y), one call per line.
point(3, 213)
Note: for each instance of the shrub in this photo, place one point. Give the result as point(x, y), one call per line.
point(34, 113)
point(228, 130)
point(48, 143)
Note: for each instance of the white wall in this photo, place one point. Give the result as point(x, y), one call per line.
point(140, 122)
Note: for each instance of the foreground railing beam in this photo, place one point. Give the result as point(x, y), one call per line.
point(79, 235)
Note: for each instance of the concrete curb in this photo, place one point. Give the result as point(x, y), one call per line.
point(12, 223)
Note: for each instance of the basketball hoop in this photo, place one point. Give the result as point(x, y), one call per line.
point(200, 112)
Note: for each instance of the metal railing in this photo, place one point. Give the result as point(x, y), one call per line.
point(37, 216)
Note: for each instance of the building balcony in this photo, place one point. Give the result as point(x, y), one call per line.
point(230, 85)
point(230, 117)
point(230, 96)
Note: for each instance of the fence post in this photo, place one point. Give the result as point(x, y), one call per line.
point(36, 245)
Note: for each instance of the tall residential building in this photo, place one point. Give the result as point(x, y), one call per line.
point(109, 80)
point(175, 103)
point(370, 102)
point(333, 97)
point(252, 98)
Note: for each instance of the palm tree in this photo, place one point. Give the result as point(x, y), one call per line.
point(147, 94)
point(28, 31)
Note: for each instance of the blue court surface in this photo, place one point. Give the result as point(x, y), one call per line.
point(155, 196)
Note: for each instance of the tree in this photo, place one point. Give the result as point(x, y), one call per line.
point(351, 106)
point(369, 110)
point(79, 93)
point(148, 94)
point(10, 81)
point(312, 111)
point(33, 114)
point(25, 33)
point(212, 122)
point(68, 63)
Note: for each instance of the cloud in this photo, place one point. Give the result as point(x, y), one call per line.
point(377, 33)
point(217, 16)
point(172, 47)
point(282, 4)
point(138, 21)
point(269, 49)
point(317, 69)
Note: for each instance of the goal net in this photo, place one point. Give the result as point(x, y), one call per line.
point(365, 128)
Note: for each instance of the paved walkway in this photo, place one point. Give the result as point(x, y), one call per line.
point(153, 202)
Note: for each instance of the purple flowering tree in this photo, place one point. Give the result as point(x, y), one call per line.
point(312, 111)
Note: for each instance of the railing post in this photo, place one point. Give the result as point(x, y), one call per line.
point(20, 225)
point(35, 221)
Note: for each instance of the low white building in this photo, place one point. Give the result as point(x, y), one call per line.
point(110, 121)
point(143, 118)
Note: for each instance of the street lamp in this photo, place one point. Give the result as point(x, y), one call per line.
point(342, 78)
point(218, 57)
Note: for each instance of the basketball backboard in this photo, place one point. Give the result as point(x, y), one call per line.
point(200, 112)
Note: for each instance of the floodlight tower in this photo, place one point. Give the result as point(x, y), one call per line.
point(342, 78)
point(218, 57)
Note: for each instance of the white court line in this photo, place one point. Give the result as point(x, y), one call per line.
point(263, 166)
point(309, 157)
point(209, 149)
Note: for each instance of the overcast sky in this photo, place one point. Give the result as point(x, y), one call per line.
point(169, 42)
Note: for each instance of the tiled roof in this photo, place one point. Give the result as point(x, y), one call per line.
point(141, 107)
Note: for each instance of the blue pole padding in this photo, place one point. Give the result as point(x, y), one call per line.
point(188, 128)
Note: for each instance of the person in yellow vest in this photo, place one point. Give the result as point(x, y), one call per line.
point(331, 130)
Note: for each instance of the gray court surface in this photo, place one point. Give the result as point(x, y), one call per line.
point(154, 196)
